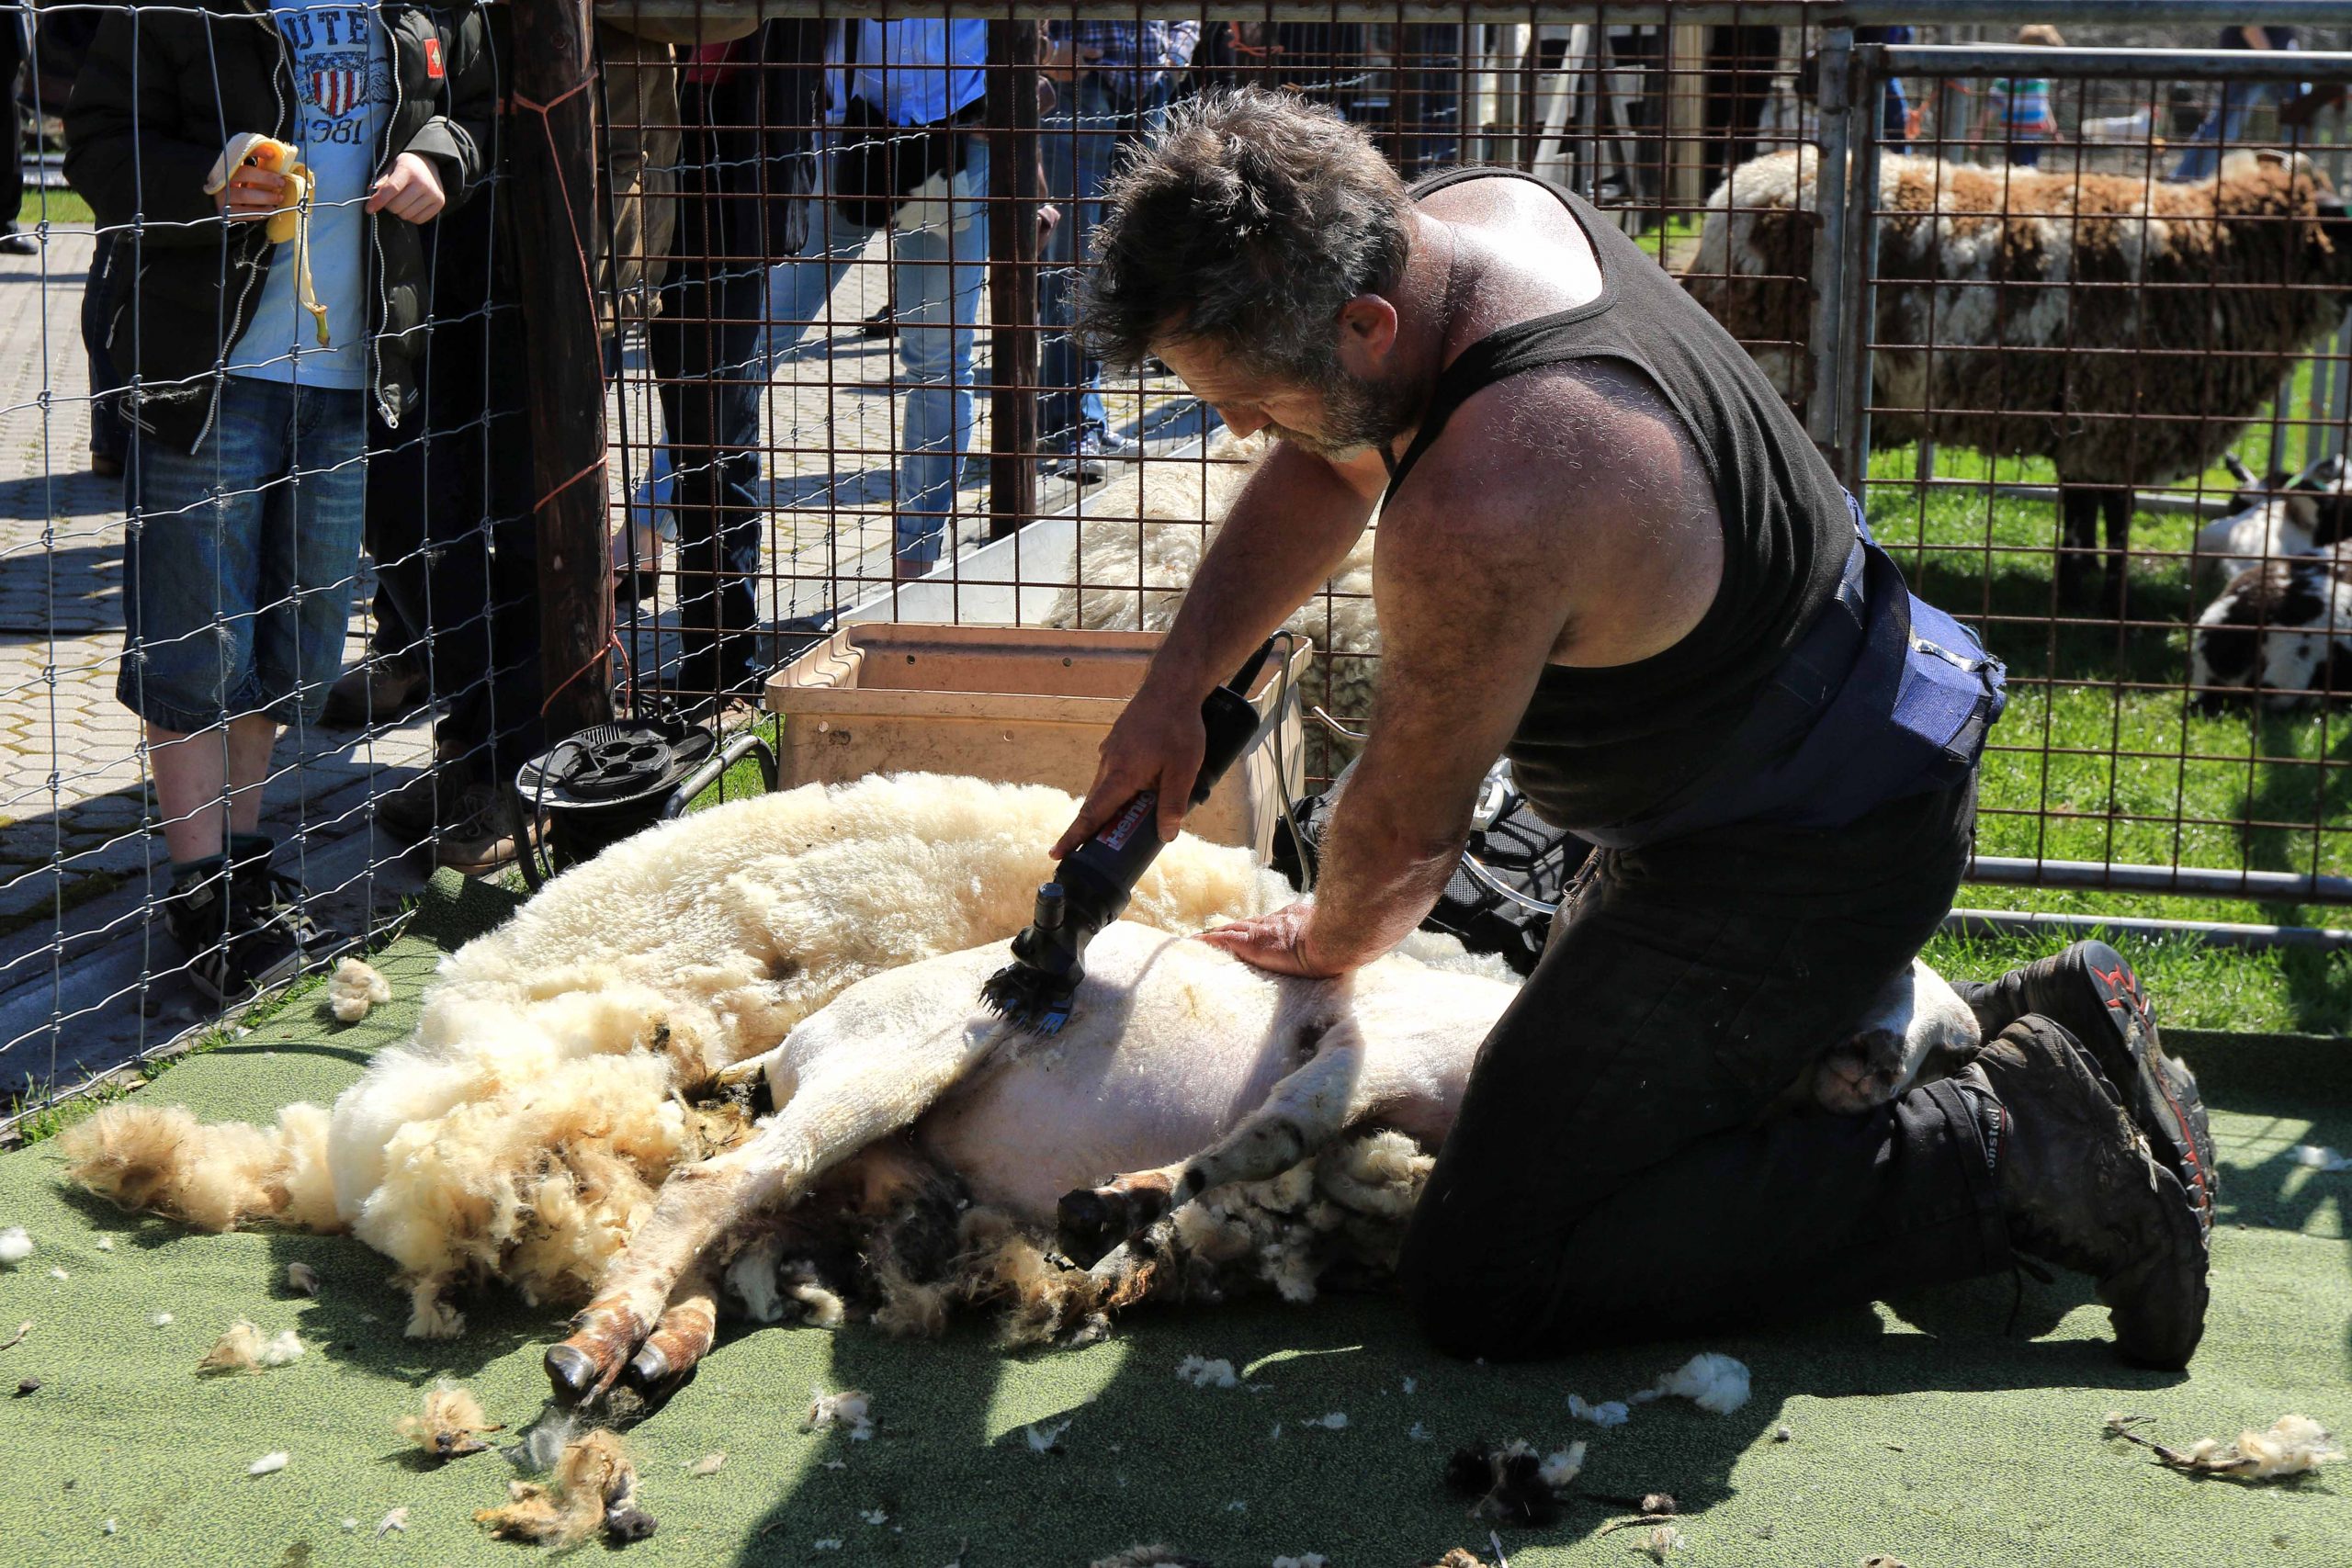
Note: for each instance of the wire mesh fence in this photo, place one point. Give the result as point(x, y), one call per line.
point(835, 253)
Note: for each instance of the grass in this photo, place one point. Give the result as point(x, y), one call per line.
point(2102, 755)
point(61, 207)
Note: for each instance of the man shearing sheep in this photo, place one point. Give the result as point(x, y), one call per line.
point(1608, 551)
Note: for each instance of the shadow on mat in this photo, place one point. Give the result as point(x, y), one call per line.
point(1137, 1454)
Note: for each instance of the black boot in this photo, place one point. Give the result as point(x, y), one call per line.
point(2080, 1187)
point(225, 912)
point(2093, 993)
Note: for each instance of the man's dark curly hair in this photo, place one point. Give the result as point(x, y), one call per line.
point(1246, 222)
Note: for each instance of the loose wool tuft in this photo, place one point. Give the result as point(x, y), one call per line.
point(242, 1348)
point(354, 989)
point(521, 1132)
point(594, 1486)
point(451, 1424)
point(16, 1245)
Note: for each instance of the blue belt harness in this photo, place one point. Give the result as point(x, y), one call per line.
point(1883, 696)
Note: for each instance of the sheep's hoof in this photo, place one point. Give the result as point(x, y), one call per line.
point(1089, 1224)
point(649, 1369)
point(573, 1372)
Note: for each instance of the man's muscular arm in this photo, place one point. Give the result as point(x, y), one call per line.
point(1287, 532)
point(1471, 601)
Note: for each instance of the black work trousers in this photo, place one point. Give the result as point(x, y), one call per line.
point(1617, 1170)
point(450, 513)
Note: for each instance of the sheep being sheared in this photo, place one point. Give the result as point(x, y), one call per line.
point(1191, 1075)
point(522, 1133)
point(2126, 330)
point(2282, 629)
point(1140, 538)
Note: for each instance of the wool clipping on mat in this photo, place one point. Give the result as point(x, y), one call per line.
point(850, 1410)
point(242, 1348)
point(451, 1422)
point(356, 987)
point(2291, 1446)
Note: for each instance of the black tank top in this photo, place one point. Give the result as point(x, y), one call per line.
point(1602, 745)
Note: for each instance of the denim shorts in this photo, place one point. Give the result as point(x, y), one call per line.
point(241, 557)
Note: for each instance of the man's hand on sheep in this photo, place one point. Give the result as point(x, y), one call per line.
point(1279, 943)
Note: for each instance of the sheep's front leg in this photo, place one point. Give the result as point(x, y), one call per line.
point(1305, 1111)
point(1917, 1030)
point(852, 1095)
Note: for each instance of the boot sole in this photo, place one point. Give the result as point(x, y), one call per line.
point(2160, 1107)
point(2170, 1350)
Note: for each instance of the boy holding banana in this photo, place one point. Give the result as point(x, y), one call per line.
point(269, 170)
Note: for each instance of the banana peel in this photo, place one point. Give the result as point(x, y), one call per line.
point(292, 220)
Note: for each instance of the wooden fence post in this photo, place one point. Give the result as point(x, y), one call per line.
point(1012, 275)
point(555, 245)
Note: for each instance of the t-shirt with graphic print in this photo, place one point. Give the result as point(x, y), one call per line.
point(343, 82)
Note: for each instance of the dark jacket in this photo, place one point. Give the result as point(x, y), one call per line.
point(161, 93)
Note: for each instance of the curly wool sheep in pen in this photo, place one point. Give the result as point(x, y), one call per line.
point(2127, 330)
point(1140, 538)
point(524, 1133)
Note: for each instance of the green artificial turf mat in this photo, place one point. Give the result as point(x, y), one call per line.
point(1920, 1429)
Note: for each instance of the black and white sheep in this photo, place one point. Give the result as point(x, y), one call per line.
point(2127, 330)
point(2274, 520)
point(2282, 629)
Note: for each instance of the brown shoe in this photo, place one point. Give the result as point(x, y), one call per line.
point(2080, 1187)
point(427, 802)
point(487, 832)
point(375, 691)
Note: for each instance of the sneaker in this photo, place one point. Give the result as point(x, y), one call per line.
point(375, 691)
point(487, 831)
point(242, 925)
point(2080, 1187)
point(2092, 992)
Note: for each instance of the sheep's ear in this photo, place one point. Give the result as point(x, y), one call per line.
point(2238, 470)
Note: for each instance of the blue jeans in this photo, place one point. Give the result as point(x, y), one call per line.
point(241, 557)
point(938, 265)
point(1081, 144)
point(2225, 125)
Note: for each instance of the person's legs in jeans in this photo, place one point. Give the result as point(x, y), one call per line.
point(1608, 1173)
point(939, 264)
point(1079, 145)
point(705, 350)
point(2222, 128)
point(237, 584)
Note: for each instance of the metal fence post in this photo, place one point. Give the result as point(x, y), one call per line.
point(1828, 240)
point(1856, 273)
